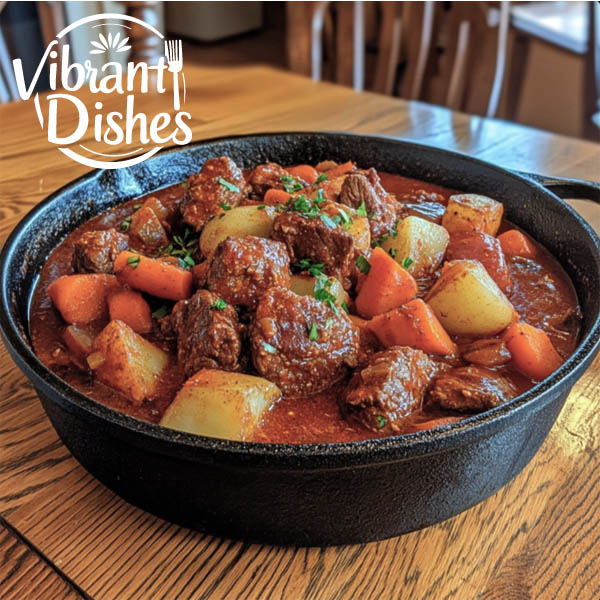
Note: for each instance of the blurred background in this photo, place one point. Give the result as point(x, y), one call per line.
point(536, 63)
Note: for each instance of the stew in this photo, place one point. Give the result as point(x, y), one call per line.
point(302, 304)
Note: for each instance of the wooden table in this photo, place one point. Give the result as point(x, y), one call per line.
point(64, 535)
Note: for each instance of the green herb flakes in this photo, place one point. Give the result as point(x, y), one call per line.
point(328, 221)
point(393, 252)
point(321, 178)
point(345, 307)
point(406, 262)
point(380, 421)
point(126, 223)
point(268, 348)
point(225, 206)
point(133, 261)
point(219, 304)
point(362, 264)
point(228, 185)
point(160, 312)
point(313, 334)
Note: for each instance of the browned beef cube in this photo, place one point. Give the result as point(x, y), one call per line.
point(207, 331)
point(389, 388)
point(271, 176)
point(365, 187)
point(219, 185)
point(469, 389)
point(242, 269)
point(147, 229)
point(300, 343)
point(312, 238)
point(95, 251)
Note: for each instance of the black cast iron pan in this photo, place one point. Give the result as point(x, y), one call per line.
point(317, 494)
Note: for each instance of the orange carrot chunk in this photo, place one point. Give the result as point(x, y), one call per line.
point(81, 298)
point(514, 243)
point(532, 351)
point(340, 170)
point(153, 276)
point(414, 325)
point(386, 286)
point(304, 172)
point(131, 308)
point(273, 197)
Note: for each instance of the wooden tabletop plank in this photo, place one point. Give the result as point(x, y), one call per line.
point(24, 574)
point(537, 537)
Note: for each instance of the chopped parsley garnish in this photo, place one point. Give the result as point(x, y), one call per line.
point(362, 264)
point(313, 334)
point(322, 293)
point(227, 184)
point(290, 185)
point(126, 223)
point(182, 248)
point(361, 211)
point(380, 421)
point(381, 239)
point(185, 185)
point(137, 206)
point(133, 261)
point(225, 206)
point(328, 323)
point(406, 262)
point(321, 178)
point(268, 348)
point(319, 199)
point(328, 221)
point(345, 307)
point(219, 304)
point(261, 206)
point(346, 220)
point(393, 252)
point(315, 269)
point(160, 312)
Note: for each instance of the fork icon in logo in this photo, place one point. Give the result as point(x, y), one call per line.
point(174, 55)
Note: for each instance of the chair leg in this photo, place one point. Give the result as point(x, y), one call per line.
point(591, 79)
point(516, 75)
point(498, 81)
point(389, 47)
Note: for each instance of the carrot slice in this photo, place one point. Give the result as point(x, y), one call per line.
point(273, 197)
point(81, 298)
point(514, 243)
point(387, 286)
point(532, 351)
point(304, 172)
point(340, 170)
point(153, 276)
point(414, 325)
point(131, 308)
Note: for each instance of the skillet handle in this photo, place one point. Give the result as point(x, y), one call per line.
point(565, 187)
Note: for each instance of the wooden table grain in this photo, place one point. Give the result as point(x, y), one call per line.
point(64, 535)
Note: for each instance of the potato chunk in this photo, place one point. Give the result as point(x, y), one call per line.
point(304, 285)
point(420, 240)
point(472, 212)
point(126, 361)
point(357, 226)
point(237, 222)
point(467, 301)
point(221, 404)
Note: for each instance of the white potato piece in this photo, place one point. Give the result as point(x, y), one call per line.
point(420, 240)
point(472, 212)
point(358, 227)
point(221, 404)
point(126, 361)
point(237, 222)
point(304, 285)
point(467, 301)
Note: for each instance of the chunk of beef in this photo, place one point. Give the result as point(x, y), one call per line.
point(147, 229)
point(469, 389)
point(269, 176)
point(300, 343)
point(219, 184)
point(311, 238)
point(208, 334)
point(431, 211)
point(389, 388)
point(490, 352)
point(95, 251)
point(381, 208)
point(242, 269)
point(476, 245)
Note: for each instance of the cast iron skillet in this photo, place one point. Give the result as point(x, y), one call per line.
point(317, 494)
